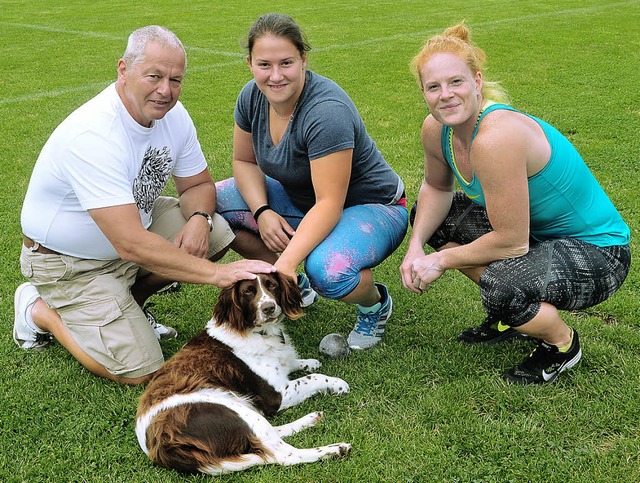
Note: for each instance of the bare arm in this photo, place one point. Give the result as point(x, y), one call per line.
point(436, 192)
point(434, 200)
point(248, 176)
point(197, 193)
point(330, 175)
point(274, 229)
point(122, 226)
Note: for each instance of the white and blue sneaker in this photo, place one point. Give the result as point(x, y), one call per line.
point(25, 334)
point(309, 295)
point(370, 325)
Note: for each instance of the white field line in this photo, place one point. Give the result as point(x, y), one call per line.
point(84, 33)
point(240, 56)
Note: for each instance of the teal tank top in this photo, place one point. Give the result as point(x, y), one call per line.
point(565, 199)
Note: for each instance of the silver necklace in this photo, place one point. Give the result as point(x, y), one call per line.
point(285, 118)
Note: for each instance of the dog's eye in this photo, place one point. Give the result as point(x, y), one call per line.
point(270, 284)
point(249, 291)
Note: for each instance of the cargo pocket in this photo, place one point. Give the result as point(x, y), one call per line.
point(107, 335)
point(42, 269)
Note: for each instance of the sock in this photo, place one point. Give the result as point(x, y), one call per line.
point(565, 348)
point(368, 310)
point(302, 281)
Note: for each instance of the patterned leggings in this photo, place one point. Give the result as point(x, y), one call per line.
point(363, 238)
point(567, 273)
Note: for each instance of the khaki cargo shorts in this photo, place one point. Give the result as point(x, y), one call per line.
point(93, 297)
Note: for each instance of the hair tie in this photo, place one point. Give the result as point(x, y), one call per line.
point(261, 210)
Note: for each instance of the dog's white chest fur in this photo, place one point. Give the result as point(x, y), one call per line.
point(268, 353)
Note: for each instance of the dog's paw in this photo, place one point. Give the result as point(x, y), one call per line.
point(340, 449)
point(315, 417)
point(310, 365)
point(337, 386)
point(311, 419)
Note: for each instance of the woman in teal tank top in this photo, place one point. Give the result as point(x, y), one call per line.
point(530, 223)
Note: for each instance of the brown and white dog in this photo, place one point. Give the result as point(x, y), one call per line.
point(203, 410)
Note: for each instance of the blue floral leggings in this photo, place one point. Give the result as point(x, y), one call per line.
point(363, 238)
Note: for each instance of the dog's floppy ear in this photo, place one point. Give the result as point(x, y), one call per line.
point(227, 309)
point(291, 299)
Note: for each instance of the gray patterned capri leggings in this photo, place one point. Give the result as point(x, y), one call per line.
point(567, 273)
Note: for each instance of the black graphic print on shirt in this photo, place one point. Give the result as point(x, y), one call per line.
point(153, 176)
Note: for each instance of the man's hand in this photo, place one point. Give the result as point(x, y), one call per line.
point(194, 237)
point(229, 273)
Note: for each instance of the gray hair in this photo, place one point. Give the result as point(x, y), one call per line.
point(139, 39)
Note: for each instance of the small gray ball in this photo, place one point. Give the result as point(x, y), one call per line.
point(334, 345)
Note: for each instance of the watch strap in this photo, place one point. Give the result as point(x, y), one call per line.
point(207, 216)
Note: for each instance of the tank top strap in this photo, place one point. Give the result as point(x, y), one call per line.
point(489, 106)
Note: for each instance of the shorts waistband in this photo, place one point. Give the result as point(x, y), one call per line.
point(34, 246)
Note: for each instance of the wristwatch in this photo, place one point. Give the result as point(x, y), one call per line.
point(207, 216)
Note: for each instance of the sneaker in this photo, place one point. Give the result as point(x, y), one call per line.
point(309, 295)
point(490, 331)
point(369, 327)
point(545, 363)
point(171, 288)
point(25, 335)
point(162, 331)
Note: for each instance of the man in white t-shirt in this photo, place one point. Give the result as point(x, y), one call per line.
point(98, 237)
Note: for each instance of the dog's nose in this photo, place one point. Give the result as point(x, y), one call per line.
point(268, 308)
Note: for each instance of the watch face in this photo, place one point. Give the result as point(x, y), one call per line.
point(210, 221)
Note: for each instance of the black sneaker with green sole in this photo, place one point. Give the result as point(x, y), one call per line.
point(490, 331)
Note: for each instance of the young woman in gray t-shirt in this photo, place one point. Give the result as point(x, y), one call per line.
point(309, 183)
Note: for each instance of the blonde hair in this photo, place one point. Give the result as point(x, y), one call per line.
point(457, 40)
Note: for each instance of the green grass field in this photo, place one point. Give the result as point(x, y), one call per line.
point(422, 406)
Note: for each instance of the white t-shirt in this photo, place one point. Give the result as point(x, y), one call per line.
point(98, 157)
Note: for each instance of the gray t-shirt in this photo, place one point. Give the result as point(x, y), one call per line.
point(325, 121)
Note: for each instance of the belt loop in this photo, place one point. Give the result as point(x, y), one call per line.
point(35, 247)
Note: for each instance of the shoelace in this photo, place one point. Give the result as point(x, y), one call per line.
point(487, 324)
point(366, 324)
point(171, 288)
point(43, 338)
point(150, 317)
point(538, 356)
